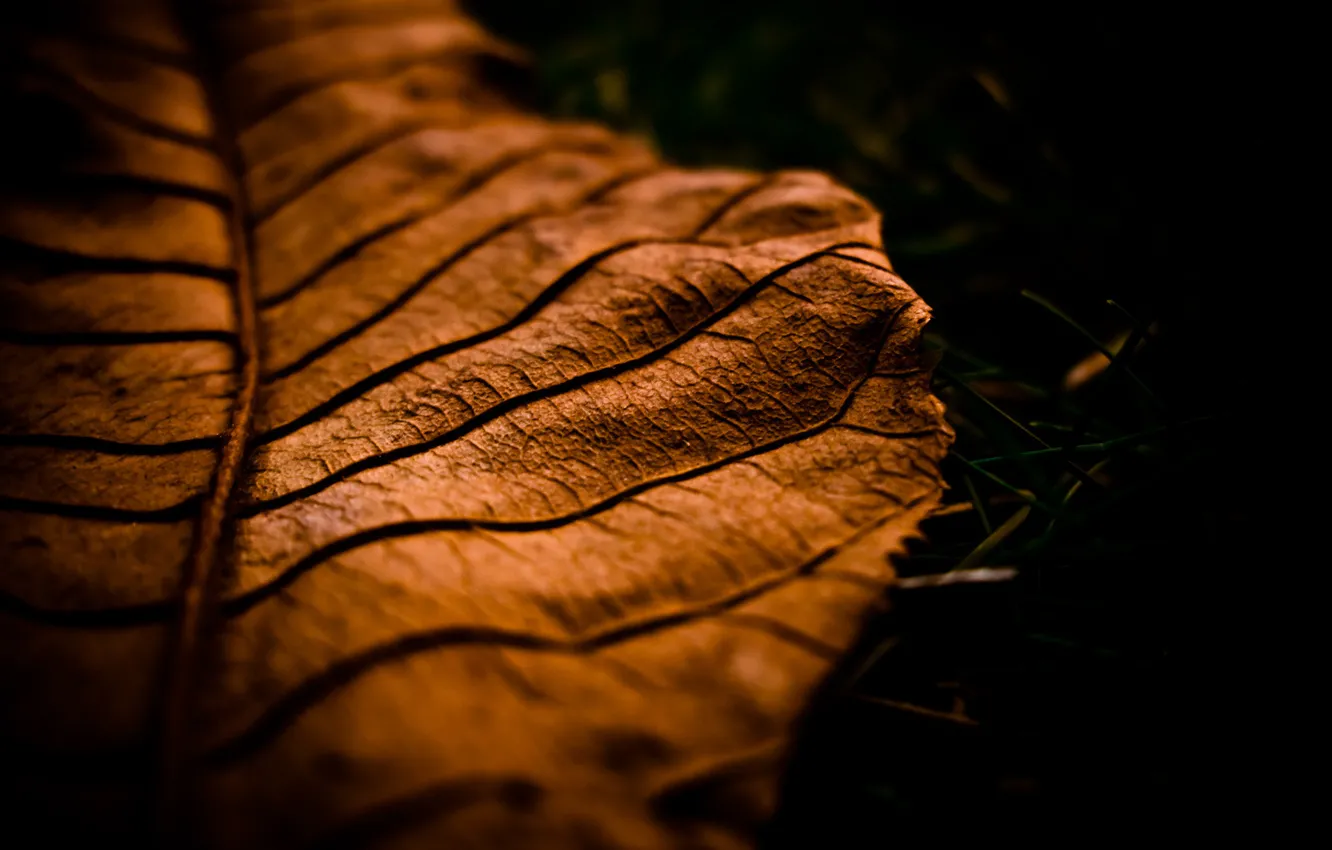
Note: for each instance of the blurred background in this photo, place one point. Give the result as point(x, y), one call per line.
point(1051, 182)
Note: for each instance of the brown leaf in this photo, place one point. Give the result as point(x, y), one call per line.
point(385, 466)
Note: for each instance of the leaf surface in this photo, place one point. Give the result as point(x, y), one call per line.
point(387, 466)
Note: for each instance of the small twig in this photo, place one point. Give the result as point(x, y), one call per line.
point(980, 575)
point(921, 711)
point(953, 509)
point(978, 502)
point(977, 556)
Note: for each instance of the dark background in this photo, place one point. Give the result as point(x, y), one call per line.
point(1076, 150)
point(1083, 152)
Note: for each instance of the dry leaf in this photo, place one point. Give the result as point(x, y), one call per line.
point(384, 466)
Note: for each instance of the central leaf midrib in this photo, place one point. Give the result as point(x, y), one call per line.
point(201, 566)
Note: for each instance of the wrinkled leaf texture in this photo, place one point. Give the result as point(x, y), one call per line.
point(386, 466)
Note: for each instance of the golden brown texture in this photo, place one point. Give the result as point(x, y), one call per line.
point(390, 467)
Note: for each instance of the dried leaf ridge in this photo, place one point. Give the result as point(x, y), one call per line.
point(387, 466)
